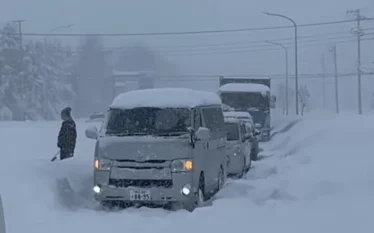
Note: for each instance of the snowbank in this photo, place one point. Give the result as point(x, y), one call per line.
point(165, 98)
point(318, 177)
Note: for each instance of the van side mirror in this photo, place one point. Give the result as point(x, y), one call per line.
point(246, 137)
point(256, 132)
point(203, 134)
point(92, 132)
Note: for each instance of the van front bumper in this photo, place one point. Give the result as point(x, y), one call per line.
point(157, 195)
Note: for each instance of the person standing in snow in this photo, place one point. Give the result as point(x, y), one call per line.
point(67, 136)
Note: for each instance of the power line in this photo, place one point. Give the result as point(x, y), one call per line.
point(249, 50)
point(248, 45)
point(251, 42)
point(244, 49)
point(215, 77)
point(188, 32)
point(246, 42)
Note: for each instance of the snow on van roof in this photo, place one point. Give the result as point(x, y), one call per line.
point(232, 120)
point(165, 98)
point(128, 73)
point(244, 77)
point(244, 87)
point(237, 114)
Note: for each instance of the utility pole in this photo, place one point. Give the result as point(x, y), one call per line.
point(296, 58)
point(286, 60)
point(323, 81)
point(359, 32)
point(19, 22)
point(333, 50)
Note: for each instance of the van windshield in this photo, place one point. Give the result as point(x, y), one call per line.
point(232, 131)
point(148, 121)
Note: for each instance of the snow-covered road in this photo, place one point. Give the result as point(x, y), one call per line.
point(316, 177)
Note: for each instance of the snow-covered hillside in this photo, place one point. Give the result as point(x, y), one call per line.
point(316, 177)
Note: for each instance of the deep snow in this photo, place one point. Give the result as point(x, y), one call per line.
point(317, 177)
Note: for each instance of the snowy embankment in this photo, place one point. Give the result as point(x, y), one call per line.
point(316, 177)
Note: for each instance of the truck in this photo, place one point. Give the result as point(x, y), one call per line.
point(250, 94)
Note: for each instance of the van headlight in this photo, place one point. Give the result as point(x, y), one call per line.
point(102, 164)
point(181, 165)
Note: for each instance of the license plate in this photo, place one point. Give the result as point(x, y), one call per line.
point(140, 195)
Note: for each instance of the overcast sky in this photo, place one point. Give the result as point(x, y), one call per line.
point(243, 52)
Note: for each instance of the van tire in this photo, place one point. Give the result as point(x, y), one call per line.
point(221, 179)
point(254, 154)
point(198, 198)
point(249, 166)
point(241, 174)
point(108, 205)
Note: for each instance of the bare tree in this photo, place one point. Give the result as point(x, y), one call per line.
point(304, 96)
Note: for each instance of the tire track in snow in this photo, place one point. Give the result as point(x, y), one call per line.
point(286, 128)
point(273, 151)
point(73, 199)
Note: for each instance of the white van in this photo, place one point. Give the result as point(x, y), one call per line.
point(160, 146)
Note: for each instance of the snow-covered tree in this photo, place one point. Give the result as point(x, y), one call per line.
point(11, 72)
point(33, 79)
point(304, 96)
point(92, 81)
point(48, 88)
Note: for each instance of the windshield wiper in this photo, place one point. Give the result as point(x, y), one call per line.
point(170, 133)
point(126, 134)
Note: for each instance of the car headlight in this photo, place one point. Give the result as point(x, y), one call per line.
point(103, 164)
point(181, 165)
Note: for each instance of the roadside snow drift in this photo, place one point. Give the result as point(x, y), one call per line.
point(316, 177)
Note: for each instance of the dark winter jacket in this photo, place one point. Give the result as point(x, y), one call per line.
point(67, 136)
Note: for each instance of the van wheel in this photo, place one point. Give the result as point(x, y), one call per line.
point(244, 168)
point(249, 166)
point(198, 198)
point(108, 205)
point(221, 179)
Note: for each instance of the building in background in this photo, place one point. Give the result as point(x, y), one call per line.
point(124, 81)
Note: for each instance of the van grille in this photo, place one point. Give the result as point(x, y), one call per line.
point(135, 161)
point(124, 183)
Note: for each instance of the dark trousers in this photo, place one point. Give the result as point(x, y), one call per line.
point(65, 154)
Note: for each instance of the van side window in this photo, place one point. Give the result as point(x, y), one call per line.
point(214, 121)
point(197, 120)
point(243, 130)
